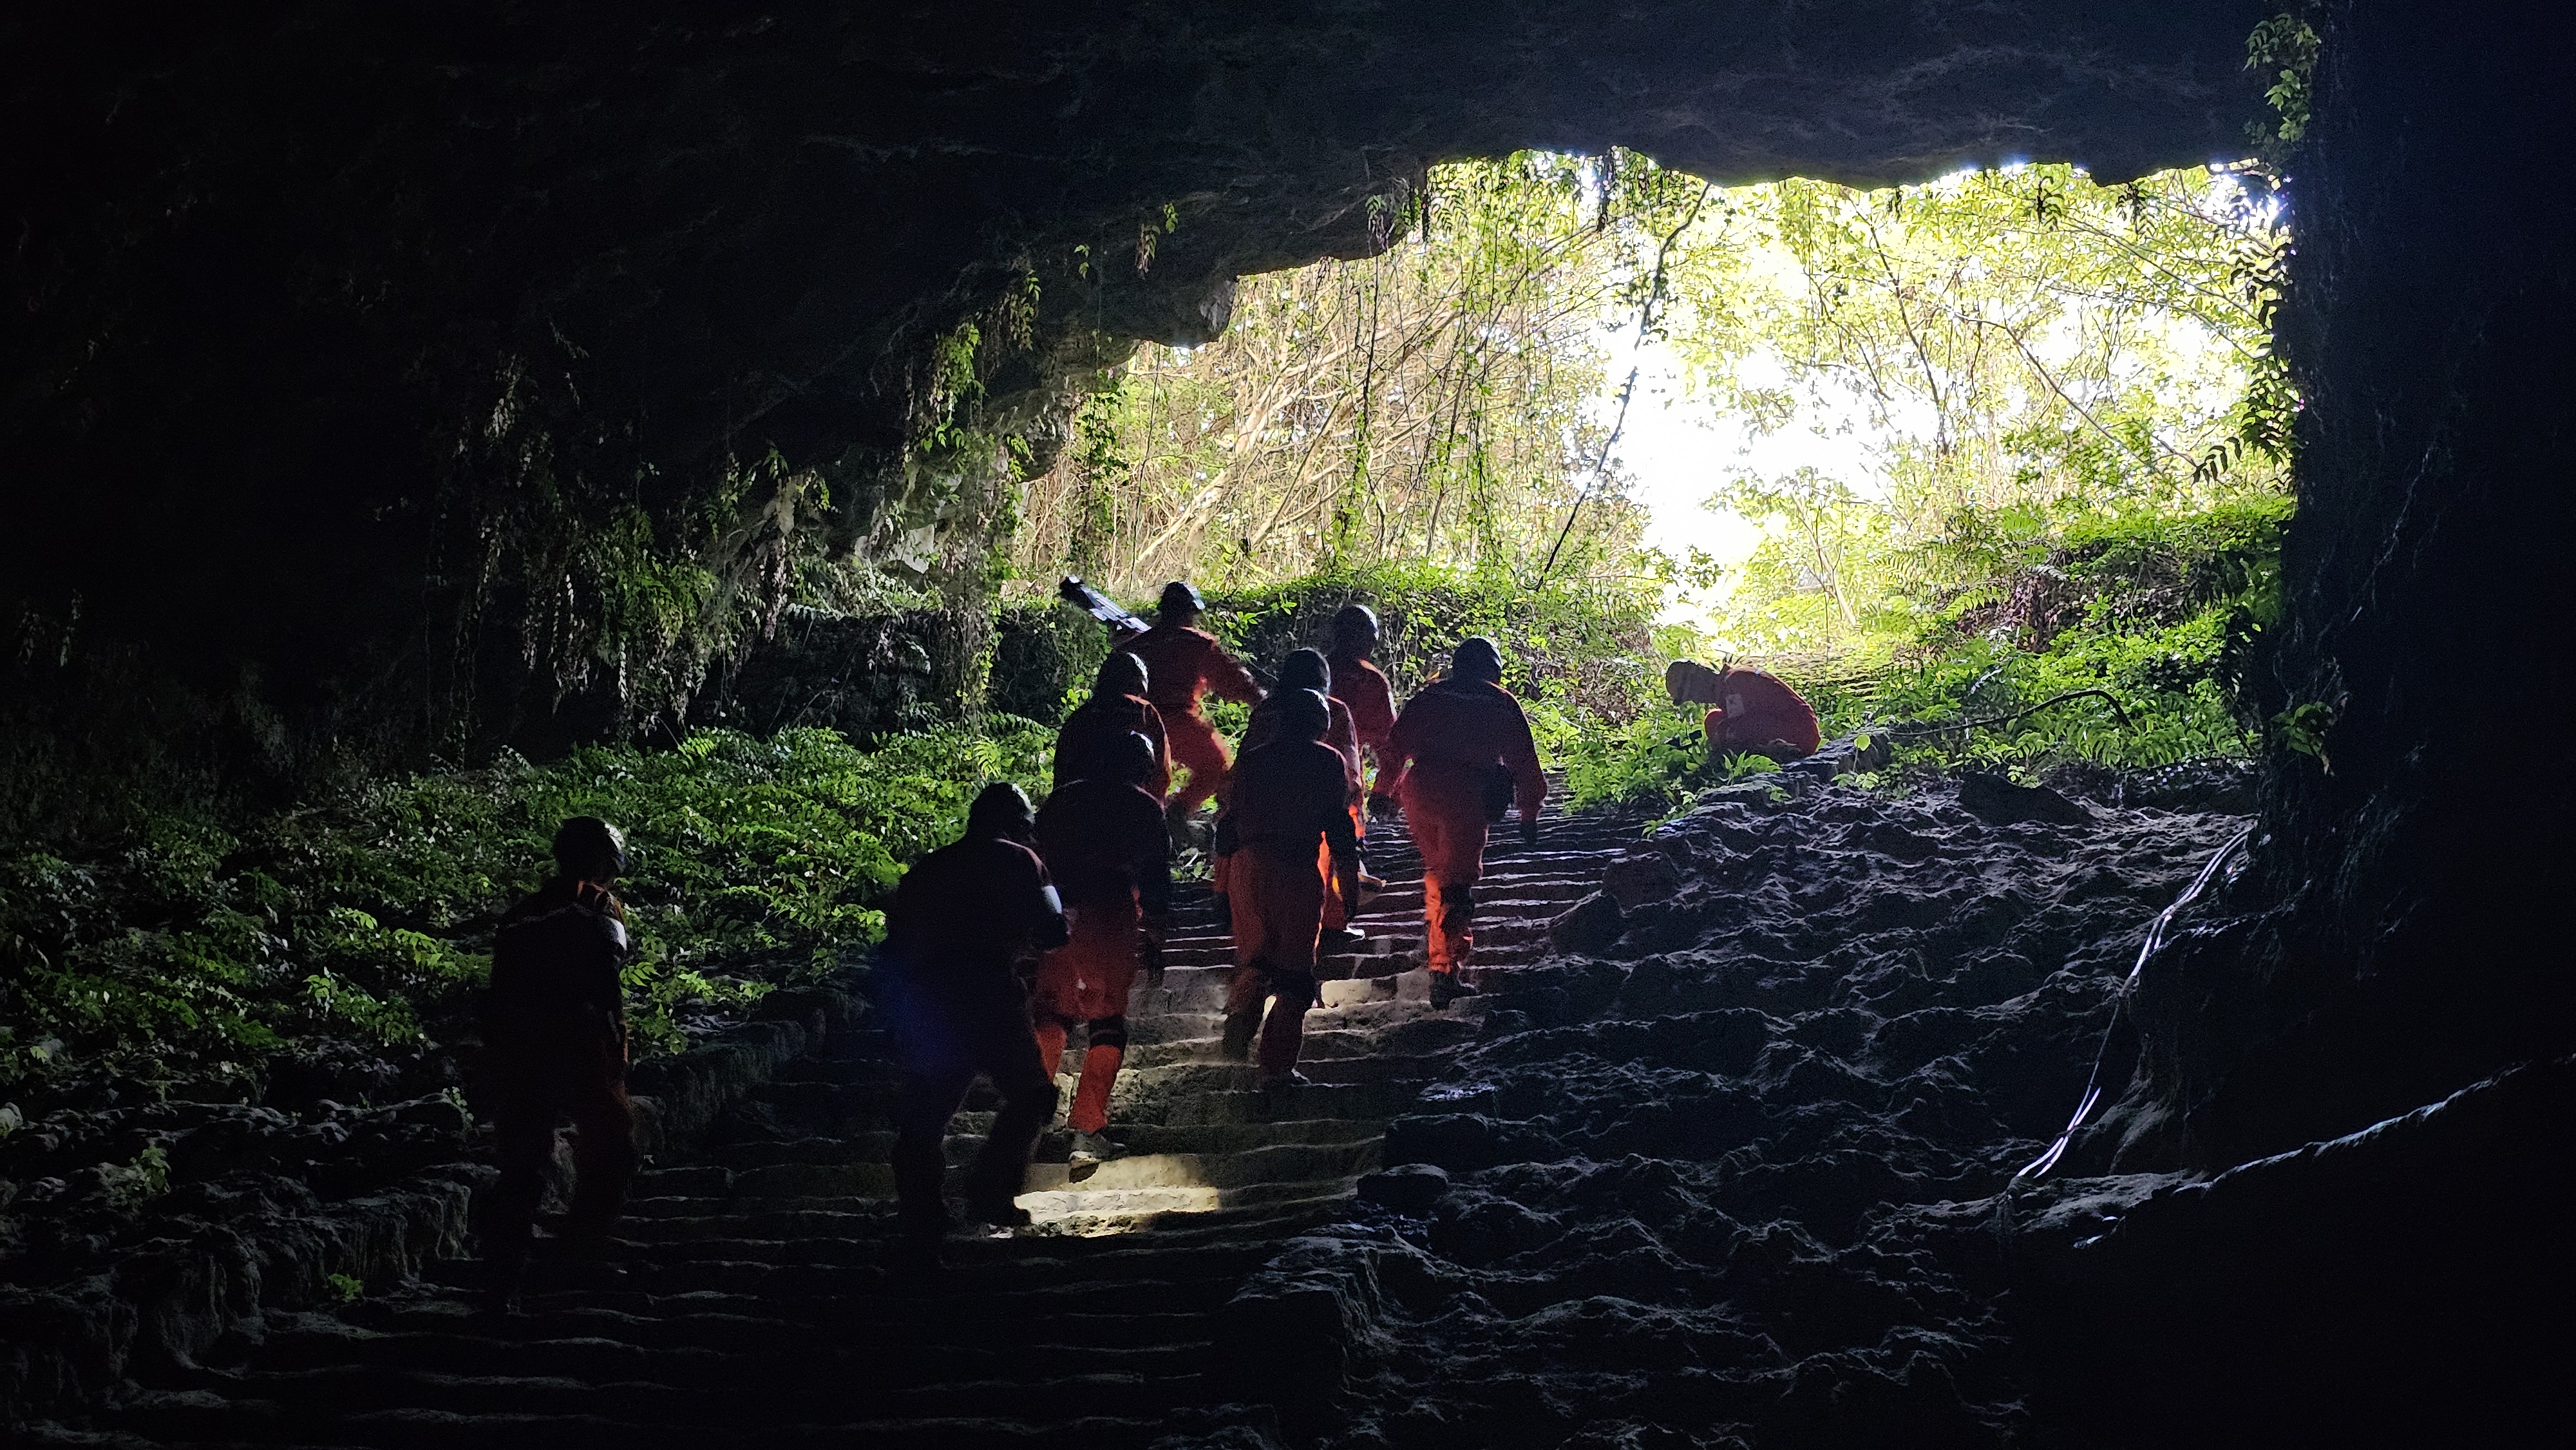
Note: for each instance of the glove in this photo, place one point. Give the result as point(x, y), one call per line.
point(1529, 830)
point(1381, 806)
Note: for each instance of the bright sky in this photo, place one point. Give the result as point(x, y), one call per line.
point(1678, 449)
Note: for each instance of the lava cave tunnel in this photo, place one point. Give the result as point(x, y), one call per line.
point(364, 364)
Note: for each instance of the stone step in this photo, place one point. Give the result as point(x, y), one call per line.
point(755, 1295)
point(878, 1380)
point(962, 1429)
point(1014, 1299)
point(701, 1195)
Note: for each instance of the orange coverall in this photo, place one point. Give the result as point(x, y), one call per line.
point(1343, 736)
point(1180, 664)
point(1754, 710)
point(1101, 720)
point(1104, 844)
point(1448, 740)
point(1290, 797)
point(1361, 686)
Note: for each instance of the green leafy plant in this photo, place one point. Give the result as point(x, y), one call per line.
point(366, 915)
point(129, 1186)
point(2303, 727)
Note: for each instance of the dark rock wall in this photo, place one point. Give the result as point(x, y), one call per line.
point(2400, 939)
point(349, 344)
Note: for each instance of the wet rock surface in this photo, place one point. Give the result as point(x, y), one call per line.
point(1731, 1177)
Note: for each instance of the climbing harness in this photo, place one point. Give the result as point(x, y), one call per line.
point(2039, 1166)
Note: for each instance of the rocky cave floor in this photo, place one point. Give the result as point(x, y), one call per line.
point(1727, 1172)
point(1733, 1176)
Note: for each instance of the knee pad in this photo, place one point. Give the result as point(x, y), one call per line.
point(1109, 1032)
point(1296, 990)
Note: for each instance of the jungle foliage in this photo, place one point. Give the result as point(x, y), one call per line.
point(192, 947)
point(2063, 458)
point(1428, 405)
point(2150, 617)
point(2070, 480)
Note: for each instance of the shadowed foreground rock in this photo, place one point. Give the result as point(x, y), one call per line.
point(1731, 1178)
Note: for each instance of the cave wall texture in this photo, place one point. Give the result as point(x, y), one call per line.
point(2395, 941)
point(379, 377)
point(388, 369)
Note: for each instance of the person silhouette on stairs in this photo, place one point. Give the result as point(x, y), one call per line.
point(1103, 840)
point(1116, 709)
point(1290, 796)
point(1302, 670)
point(1182, 663)
point(1455, 741)
point(554, 1042)
point(964, 920)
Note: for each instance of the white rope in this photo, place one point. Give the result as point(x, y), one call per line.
point(2039, 1166)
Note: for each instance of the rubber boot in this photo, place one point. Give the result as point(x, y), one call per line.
point(1240, 1028)
point(1448, 987)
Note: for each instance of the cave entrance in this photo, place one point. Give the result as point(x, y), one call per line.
point(1933, 452)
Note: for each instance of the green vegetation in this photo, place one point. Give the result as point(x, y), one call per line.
point(2054, 542)
point(2073, 469)
point(193, 948)
point(2153, 612)
point(1426, 406)
point(2062, 463)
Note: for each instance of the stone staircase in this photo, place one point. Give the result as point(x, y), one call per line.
point(748, 1299)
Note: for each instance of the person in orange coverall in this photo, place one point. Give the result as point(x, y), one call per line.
point(1103, 841)
point(1756, 713)
point(1305, 669)
point(1361, 688)
point(962, 921)
point(1290, 796)
point(1357, 681)
point(554, 1035)
point(1116, 709)
point(1450, 740)
point(1182, 662)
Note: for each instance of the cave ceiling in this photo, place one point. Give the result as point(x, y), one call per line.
point(277, 265)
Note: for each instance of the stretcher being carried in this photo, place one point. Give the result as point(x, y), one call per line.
point(1101, 607)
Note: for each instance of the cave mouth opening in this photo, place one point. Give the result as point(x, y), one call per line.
point(1964, 445)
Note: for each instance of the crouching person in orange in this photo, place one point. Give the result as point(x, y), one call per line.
point(1103, 841)
point(1290, 797)
point(964, 920)
point(1116, 710)
point(1447, 745)
point(1182, 662)
point(554, 1032)
point(1756, 713)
